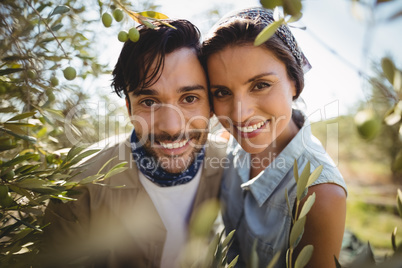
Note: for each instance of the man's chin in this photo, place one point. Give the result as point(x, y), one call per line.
point(176, 165)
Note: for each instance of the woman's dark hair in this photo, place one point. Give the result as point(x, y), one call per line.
point(140, 63)
point(241, 31)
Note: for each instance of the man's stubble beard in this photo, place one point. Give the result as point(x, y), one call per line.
point(175, 163)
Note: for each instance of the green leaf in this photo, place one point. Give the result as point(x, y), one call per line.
point(399, 200)
point(153, 15)
point(91, 178)
point(337, 264)
point(56, 27)
point(26, 224)
point(80, 157)
point(18, 160)
point(253, 260)
point(228, 238)
point(4, 147)
point(31, 184)
point(74, 151)
point(388, 69)
point(271, 4)
point(61, 9)
point(296, 232)
point(233, 262)
point(302, 183)
point(274, 260)
point(292, 7)
point(23, 137)
point(295, 18)
point(304, 256)
point(393, 239)
point(307, 205)
point(204, 218)
point(10, 71)
point(104, 165)
point(212, 247)
point(267, 32)
point(58, 114)
point(17, 124)
point(26, 169)
point(115, 171)
point(21, 116)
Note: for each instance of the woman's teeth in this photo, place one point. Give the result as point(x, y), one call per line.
point(251, 128)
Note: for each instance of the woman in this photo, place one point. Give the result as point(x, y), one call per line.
point(252, 90)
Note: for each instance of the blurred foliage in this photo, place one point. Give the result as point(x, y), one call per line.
point(39, 119)
point(385, 107)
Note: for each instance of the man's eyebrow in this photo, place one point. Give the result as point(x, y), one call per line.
point(146, 91)
point(190, 88)
point(153, 92)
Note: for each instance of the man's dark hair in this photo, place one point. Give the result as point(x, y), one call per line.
point(140, 63)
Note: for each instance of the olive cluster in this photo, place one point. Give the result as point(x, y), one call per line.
point(123, 35)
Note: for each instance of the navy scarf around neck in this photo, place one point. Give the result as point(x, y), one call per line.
point(149, 167)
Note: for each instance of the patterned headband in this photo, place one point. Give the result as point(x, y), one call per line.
point(283, 32)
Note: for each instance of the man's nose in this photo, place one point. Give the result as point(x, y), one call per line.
point(170, 119)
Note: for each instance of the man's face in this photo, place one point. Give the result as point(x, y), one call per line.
point(171, 117)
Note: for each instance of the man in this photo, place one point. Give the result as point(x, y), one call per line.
point(139, 217)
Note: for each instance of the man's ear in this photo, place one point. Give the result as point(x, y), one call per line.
point(128, 105)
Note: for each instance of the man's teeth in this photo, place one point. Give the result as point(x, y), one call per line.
point(251, 128)
point(173, 145)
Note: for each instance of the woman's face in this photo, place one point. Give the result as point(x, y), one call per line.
point(252, 96)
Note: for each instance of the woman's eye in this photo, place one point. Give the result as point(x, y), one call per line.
point(262, 85)
point(220, 93)
point(148, 103)
point(190, 99)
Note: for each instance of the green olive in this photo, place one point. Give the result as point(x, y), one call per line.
point(7, 201)
point(134, 34)
point(118, 14)
point(3, 191)
point(54, 81)
point(367, 123)
point(107, 19)
point(69, 73)
point(8, 176)
point(122, 36)
point(32, 74)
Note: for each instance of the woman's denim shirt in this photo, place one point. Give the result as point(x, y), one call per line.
point(257, 208)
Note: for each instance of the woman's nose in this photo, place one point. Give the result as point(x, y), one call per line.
point(242, 109)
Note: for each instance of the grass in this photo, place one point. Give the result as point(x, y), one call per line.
point(373, 221)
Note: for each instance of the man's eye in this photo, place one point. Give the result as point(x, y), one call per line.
point(148, 103)
point(220, 93)
point(190, 99)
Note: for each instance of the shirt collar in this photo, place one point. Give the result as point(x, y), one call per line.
point(264, 184)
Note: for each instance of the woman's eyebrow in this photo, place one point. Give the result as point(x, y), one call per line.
point(258, 76)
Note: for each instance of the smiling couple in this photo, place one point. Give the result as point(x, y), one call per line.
point(173, 85)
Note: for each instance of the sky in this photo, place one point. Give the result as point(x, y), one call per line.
point(341, 39)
